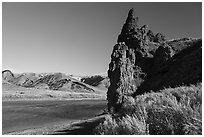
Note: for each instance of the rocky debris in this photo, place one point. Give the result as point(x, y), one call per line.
point(142, 61)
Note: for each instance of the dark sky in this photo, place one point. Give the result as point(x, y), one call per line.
point(78, 38)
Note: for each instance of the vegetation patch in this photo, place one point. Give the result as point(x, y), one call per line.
point(172, 111)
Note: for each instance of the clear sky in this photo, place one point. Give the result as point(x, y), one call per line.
point(78, 38)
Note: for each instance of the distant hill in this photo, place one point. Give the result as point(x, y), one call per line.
point(7, 75)
point(48, 81)
point(99, 81)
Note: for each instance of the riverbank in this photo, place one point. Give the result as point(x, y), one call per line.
point(31, 94)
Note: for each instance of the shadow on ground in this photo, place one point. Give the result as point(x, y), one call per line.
point(84, 128)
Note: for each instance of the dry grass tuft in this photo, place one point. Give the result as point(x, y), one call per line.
point(173, 111)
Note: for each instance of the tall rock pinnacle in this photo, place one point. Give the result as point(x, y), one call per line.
point(126, 71)
point(142, 61)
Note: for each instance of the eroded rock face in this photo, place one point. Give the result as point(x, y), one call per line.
point(172, 68)
point(142, 61)
point(130, 61)
point(121, 74)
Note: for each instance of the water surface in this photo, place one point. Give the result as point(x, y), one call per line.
point(19, 115)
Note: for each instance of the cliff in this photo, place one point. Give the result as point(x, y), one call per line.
point(142, 62)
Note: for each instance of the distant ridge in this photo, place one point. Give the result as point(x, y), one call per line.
point(50, 81)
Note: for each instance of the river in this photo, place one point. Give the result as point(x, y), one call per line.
point(20, 115)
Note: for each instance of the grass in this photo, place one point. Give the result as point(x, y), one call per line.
point(172, 111)
point(41, 94)
point(127, 125)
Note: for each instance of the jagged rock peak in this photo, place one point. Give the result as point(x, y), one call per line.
point(131, 19)
point(132, 34)
point(126, 69)
point(131, 23)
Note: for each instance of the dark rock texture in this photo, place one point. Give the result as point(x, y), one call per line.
point(142, 61)
point(130, 60)
point(171, 69)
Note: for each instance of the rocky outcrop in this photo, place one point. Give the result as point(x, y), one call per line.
point(130, 60)
point(174, 67)
point(7, 75)
point(142, 61)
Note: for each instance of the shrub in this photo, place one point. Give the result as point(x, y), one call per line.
point(125, 125)
point(170, 111)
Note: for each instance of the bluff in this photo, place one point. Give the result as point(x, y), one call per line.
point(142, 61)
